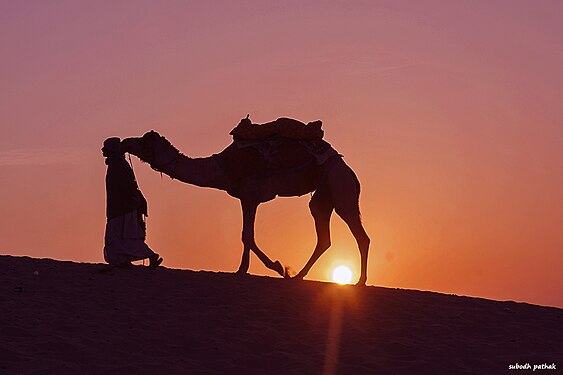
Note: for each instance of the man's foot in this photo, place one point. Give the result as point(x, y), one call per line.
point(155, 261)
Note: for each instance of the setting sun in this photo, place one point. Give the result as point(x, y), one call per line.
point(342, 275)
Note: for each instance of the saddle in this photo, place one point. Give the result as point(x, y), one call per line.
point(282, 127)
point(282, 146)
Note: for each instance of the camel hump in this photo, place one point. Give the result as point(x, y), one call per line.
point(282, 127)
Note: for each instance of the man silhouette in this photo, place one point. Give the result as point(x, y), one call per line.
point(125, 210)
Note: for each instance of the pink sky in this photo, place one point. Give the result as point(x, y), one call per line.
point(449, 112)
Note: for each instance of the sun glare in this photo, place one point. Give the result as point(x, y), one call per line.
point(342, 275)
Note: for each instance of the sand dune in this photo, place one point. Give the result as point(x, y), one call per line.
point(69, 318)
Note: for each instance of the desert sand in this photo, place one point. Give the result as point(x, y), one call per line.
point(70, 318)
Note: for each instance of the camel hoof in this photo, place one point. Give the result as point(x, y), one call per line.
point(288, 273)
point(279, 269)
point(297, 277)
point(361, 283)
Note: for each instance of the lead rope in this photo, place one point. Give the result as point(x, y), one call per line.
point(130, 162)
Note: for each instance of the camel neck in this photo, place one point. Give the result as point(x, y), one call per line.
point(204, 172)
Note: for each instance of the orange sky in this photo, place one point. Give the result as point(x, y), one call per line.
point(450, 114)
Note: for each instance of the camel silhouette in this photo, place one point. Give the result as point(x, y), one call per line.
point(244, 174)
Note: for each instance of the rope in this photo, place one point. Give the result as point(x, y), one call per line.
point(130, 162)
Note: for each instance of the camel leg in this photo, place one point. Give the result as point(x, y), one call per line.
point(245, 261)
point(345, 190)
point(321, 208)
point(249, 216)
point(355, 224)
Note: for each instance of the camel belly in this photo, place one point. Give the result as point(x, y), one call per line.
point(293, 185)
point(266, 188)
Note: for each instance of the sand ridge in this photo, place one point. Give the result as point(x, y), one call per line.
point(69, 318)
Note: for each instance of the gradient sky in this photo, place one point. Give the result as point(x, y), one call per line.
point(450, 113)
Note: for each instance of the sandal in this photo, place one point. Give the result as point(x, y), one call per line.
point(155, 261)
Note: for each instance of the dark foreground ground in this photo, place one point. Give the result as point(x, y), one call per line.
point(69, 318)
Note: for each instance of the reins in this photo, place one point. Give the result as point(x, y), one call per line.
point(158, 167)
point(131, 162)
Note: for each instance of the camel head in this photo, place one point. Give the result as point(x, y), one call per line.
point(151, 148)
